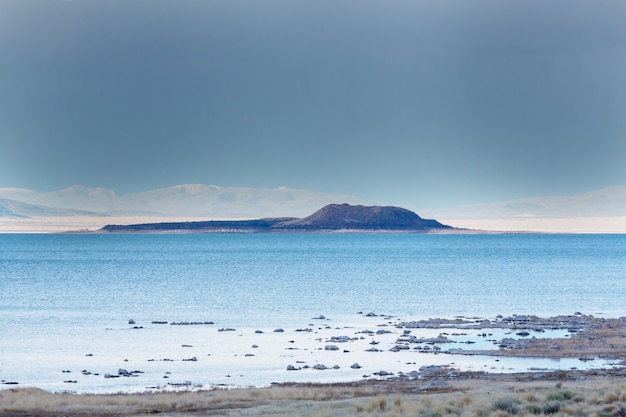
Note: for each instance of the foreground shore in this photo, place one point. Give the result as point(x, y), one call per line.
point(433, 391)
point(573, 393)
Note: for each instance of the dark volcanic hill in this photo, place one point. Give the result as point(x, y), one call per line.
point(333, 217)
point(345, 216)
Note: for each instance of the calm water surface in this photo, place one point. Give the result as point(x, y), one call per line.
point(63, 296)
point(275, 279)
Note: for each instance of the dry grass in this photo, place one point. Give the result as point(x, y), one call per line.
point(482, 397)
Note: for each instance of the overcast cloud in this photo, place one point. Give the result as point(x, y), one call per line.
point(430, 103)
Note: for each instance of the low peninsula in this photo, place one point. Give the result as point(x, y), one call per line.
point(331, 218)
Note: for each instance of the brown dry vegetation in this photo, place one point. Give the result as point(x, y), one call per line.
point(473, 395)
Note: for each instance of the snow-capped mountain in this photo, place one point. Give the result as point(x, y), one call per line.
point(194, 200)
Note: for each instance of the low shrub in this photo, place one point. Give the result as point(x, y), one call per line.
point(561, 395)
point(508, 405)
point(552, 407)
point(431, 414)
point(534, 409)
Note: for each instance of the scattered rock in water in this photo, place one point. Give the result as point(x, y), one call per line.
point(331, 347)
point(190, 323)
point(383, 373)
point(319, 367)
point(343, 339)
point(123, 372)
point(193, 359)
point(320, 317)
point(292, 368)
point(430, 340)
point(434, 370)
point(398, 348)
point(523, 333)
point(336, 367)
point(279, 330)
point(226, 329)
point(159, 322)
point(355, 366)
point(182, 384)
point(258, 331)
point(131, 321)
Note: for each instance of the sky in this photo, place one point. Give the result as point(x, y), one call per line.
point(431, 103)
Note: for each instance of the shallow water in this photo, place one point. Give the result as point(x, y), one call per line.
point(65, 296)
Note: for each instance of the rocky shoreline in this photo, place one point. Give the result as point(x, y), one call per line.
point(590, 336)
point(388, 349)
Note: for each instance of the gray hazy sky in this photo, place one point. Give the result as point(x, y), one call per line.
point(431, 103)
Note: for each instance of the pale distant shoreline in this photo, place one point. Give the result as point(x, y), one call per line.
point(574, 225)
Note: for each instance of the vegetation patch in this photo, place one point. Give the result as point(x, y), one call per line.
point(471, 397)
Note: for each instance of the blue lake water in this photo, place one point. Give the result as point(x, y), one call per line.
point(65, 286)
point(256, 279)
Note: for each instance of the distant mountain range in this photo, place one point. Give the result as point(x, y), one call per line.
point(190, 200)
point(333, 217)
point(198, 201)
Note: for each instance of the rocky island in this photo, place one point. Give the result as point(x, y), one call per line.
point(333, 217)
